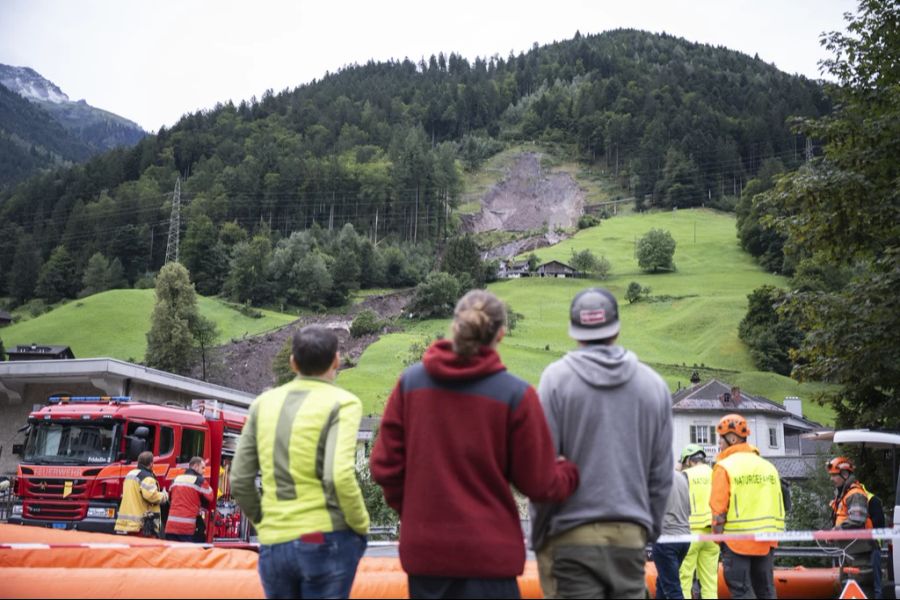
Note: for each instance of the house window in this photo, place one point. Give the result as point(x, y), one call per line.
point(773, 437)
point(703, 435)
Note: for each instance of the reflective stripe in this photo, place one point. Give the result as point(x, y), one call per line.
point(135, 518)
point(150, 487)
point(285, 486)
point(325, 467)
point(202, 490)
point(174, 519)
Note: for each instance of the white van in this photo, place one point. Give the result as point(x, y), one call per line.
point(887, 440)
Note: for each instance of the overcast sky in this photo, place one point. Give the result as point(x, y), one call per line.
point(153, 60)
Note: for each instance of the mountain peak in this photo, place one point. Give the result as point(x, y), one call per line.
point(29, 84)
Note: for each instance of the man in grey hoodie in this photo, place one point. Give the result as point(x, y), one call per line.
point(612, 416)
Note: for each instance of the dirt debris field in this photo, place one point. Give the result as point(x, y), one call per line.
point(529, 198)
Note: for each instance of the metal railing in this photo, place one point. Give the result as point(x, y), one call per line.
point(7, 501)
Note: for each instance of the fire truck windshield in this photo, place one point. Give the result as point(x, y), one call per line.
point(82, 442)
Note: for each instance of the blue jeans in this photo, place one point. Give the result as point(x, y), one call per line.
point(308, 570)
point(667, 558)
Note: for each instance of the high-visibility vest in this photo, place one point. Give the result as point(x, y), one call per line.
point(755, 503)
point(839, 506)
point(700, 485)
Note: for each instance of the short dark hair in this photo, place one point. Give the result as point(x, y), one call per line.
point(314, 348)
point(145, 459)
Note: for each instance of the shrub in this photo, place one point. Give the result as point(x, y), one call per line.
point(365, 323)
point(635, 292)
point(436, 296)
point(585, 221)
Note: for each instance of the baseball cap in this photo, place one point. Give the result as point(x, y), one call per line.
point(594, 315)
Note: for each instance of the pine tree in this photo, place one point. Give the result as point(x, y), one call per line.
point(170, 340)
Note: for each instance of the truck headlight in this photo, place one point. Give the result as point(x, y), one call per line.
point(101, 513)
point(17, 509)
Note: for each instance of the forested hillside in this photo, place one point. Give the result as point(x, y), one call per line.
point(379, 146)
point(30, 139)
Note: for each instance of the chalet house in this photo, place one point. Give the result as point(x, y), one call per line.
point(39, 352)
point(5, 318)
point(554, 268)
point(775, 429)
point(513, 269)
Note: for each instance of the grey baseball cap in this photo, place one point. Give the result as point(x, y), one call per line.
point(594, 315)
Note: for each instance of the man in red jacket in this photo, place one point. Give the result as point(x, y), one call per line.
point(185, 495)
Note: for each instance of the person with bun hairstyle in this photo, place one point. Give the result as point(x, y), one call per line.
point(457, 430)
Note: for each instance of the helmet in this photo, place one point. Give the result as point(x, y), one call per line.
point(733, 423)
point(690, 450)
point(838, 464)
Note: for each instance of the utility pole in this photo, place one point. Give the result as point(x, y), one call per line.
point(174, 225)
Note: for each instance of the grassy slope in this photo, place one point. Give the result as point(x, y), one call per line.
point(713, 274)
point(115, 324)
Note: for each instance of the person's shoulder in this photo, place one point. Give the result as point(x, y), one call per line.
point(558, 367)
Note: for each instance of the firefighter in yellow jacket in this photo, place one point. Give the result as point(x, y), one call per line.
point(140, 494)
point(702, 557)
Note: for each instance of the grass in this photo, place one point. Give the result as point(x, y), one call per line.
point(115, 323)
point(699, 326)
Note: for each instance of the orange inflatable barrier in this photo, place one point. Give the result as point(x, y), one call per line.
point(796, 582)
point(103, 570)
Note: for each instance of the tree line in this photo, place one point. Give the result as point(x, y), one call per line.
point(834, 225)
point(381, 146)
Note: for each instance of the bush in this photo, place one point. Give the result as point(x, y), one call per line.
point(655, 251)
point(146, 281)
point(365, 323)
point(436, 296)
point(633, 293)
point(585, 221)
point(512, 317)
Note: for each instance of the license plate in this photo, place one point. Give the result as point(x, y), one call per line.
point(59, 526)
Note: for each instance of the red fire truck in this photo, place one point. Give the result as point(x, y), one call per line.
point(78, 450)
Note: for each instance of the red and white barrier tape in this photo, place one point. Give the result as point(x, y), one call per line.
point(101, 546)
point(785, 536)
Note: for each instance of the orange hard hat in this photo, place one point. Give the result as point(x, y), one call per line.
point(733, 423)
point(838, 464)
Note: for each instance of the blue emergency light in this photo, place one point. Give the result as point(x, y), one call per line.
point(88, 399)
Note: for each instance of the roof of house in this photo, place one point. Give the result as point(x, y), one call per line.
point(5, 316)
point(715, 395)
point(555, 262)
point(39, 350)
point(795, 467)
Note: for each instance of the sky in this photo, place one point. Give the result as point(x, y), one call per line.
point(152, 61)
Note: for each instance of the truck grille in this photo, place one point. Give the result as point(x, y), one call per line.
point(52, 489)
point(62, 511)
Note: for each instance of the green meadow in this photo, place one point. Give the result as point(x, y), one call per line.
point(696, 325)
point(115, 323)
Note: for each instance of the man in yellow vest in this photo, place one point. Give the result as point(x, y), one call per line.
point(140, 495)
point(301, 438)
point(850, 510)
point(702, 557)
point(746, 498)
